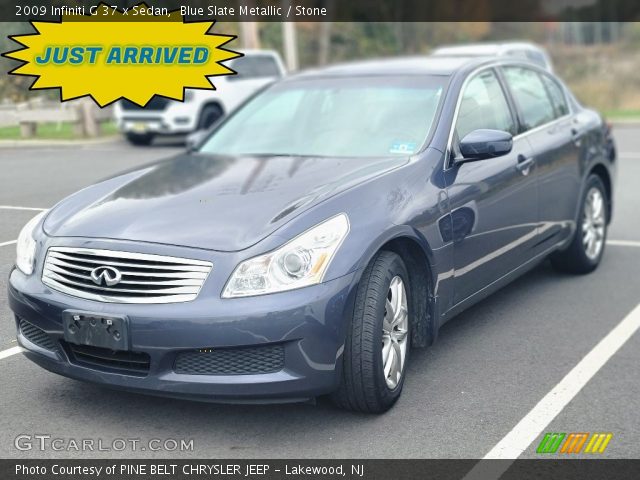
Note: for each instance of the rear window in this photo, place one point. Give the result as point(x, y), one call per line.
point(530, 95)
point(557, 96)
point(254, 66)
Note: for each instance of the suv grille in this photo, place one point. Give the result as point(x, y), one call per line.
point(36, 335)
point(138, 277)
point(231, 361)
point(133, 363)
point(155, 104)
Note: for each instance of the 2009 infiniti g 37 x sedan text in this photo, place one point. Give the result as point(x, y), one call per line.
point(333, 222)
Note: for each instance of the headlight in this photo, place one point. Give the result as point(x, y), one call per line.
point(301, 262)
point(26, 246)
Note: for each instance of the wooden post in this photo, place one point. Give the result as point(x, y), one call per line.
point(78, 123)
point(90, 125)
point(28, 129)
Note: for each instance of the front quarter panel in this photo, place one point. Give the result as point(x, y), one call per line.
point(408, 202)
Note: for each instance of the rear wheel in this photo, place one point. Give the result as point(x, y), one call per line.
point(587, 247)
point(377, 344)
point(139, 139)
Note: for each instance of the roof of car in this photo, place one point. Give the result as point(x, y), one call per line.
point(397, 66)
point(249, 52)
point(473, 49)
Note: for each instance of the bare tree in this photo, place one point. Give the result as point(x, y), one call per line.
point(249, 35)
point(324, 43)
point(289, 41)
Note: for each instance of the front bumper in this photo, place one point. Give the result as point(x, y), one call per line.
point(156, 124)
point(174, 118)
point(308, 323)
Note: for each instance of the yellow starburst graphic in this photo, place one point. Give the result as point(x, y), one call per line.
point(120, 58)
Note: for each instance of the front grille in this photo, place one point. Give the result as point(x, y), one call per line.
point(154, 105)
point(36, 335)
point(231, 361)
point(143, 278)
point(132, 363)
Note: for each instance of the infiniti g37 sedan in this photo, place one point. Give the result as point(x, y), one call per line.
point(328, 226)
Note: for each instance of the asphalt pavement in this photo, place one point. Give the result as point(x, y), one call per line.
point(490, 367)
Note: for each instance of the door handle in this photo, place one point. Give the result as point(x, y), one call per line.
point(524, 164)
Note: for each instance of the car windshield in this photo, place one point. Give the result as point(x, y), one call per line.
point(334, 117)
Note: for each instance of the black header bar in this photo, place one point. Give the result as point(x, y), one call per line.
point(334, 10)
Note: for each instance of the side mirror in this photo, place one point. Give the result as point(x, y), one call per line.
point(194, 139)
point(483, 143)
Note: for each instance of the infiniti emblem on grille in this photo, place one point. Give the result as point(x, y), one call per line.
point(108, 276)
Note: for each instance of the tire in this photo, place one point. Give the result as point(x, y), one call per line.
point(209, 115)
point(579, 257)
point(140, 139)
point(364, 386)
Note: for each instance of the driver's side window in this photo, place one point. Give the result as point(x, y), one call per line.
point(484, 105)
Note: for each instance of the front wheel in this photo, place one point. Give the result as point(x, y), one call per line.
point(209, 115)
point(377, 344)
point(587, 247)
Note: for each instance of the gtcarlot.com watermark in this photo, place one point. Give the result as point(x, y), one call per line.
point(45, 442)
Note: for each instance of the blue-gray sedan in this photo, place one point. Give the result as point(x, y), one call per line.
point(329, 225)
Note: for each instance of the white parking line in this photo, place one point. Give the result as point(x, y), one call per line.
point(11, 207)
point(534, 422)
point(623, 243)
point(9, 351)
point(10, 242)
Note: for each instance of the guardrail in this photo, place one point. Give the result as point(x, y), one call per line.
point(83, 114)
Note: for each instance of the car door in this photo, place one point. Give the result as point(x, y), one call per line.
point(493, 202)
point(548, 126)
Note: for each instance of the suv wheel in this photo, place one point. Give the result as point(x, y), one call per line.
point(209, 115)
point(586, 248)
point(378, 338)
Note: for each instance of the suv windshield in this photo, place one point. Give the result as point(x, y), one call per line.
point(254, 66)
point(334, 117)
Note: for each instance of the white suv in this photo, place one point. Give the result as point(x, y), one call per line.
point(201, 108)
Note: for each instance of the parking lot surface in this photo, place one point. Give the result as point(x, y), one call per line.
point(490, 367)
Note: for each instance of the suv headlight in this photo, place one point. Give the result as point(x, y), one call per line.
point(26, 246)
point(298, 263)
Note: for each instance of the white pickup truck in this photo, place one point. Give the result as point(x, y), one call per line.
point(201, 108)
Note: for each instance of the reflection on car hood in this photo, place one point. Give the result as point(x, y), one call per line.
point(206, 201)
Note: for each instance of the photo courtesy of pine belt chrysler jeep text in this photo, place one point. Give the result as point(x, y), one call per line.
point(317, 234)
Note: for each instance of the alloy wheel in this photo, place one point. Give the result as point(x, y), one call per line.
point(395, 329)
point(593, 224)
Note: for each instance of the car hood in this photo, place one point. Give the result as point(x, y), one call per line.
point(205, 201)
